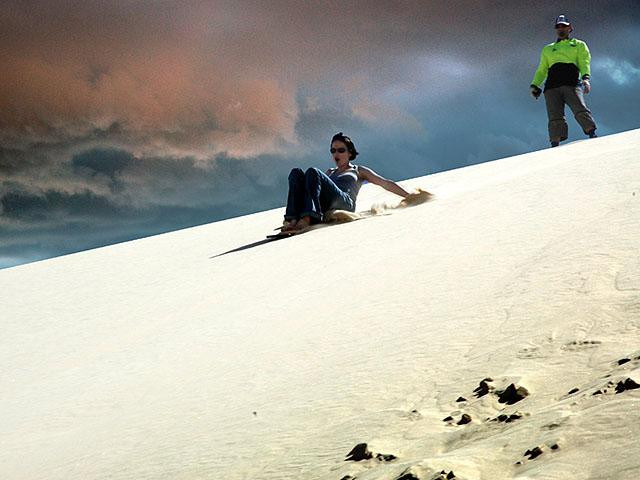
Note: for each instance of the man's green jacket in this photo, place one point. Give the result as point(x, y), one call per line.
point(563, 62)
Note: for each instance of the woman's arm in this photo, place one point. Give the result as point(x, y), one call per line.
point(371, 176)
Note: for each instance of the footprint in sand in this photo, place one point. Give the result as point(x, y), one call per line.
point(628, 278)
point(529, 352)
point(578, 345)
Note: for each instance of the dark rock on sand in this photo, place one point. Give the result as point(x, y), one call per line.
point(461, 399)
point(414, 415)
point(622, 361)
point(628, 384)
point(445, 476)
point(385, 457)
point(484, 388)
point(512, 394)
point(359, 452)
point(573, 390)
point(534, 453)
point(448, 419)
point(509, 418)
point(348, 477)
point(407, 476)
point(466, 418)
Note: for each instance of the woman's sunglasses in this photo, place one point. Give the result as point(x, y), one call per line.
point(339, 150)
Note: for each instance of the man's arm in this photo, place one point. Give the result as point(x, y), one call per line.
point(371, 176)
point(584, 65)
point(542, 71)
point(584, 61)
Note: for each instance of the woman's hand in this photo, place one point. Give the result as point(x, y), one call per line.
point(416, 198)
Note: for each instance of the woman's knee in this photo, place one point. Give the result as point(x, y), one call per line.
point(296, 173)
point(312, 172)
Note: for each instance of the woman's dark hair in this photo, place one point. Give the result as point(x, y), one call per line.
point(341, 137)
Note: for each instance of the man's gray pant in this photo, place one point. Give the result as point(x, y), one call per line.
point(555, 99)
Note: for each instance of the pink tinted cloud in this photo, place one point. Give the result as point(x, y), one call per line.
point(200, 78)
point(168, 91)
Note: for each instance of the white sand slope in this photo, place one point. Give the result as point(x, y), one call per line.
point(162, 359)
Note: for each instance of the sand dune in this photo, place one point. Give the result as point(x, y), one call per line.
point(493, 333)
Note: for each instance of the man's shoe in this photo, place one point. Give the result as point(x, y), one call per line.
point(592, 133)
point(555, 144)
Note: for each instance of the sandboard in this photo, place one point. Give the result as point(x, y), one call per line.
point(333, 217)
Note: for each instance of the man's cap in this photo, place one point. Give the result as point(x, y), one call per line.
point(562, 20)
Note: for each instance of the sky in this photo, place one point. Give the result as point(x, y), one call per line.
point(123, 119)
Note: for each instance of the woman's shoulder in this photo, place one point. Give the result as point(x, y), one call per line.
point(362, 170)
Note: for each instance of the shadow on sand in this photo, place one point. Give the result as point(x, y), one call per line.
point(249, 245)
point(338, 217)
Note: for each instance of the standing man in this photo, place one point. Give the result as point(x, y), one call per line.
point(566, 66)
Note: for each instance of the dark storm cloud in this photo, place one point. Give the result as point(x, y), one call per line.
point(126, 197)
point(12, 160)
point(29, 207)
point(101, 161)
point(125, 119)
point(202, 78)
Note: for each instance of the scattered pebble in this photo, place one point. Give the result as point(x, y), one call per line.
point(466, 418)
point(461, 399)
point(407, 476)
point(573, 390)
point(385, 457)
point(509, 418)
point(512, 394)
point(622, 361)
point(414, 415)
point(534, 453)
point(628, 384)
point(445, 476)
point(359, 452)
point(448, 419)
point(484, 387)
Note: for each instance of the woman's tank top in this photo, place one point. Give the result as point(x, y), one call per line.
point(347, 181)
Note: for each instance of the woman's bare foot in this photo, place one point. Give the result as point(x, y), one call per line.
point(289, 225)
point(303, 223)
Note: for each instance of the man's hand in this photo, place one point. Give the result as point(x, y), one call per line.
point(535, 91)
point(586, 86)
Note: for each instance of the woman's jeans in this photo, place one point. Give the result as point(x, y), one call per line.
point(313, 193)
